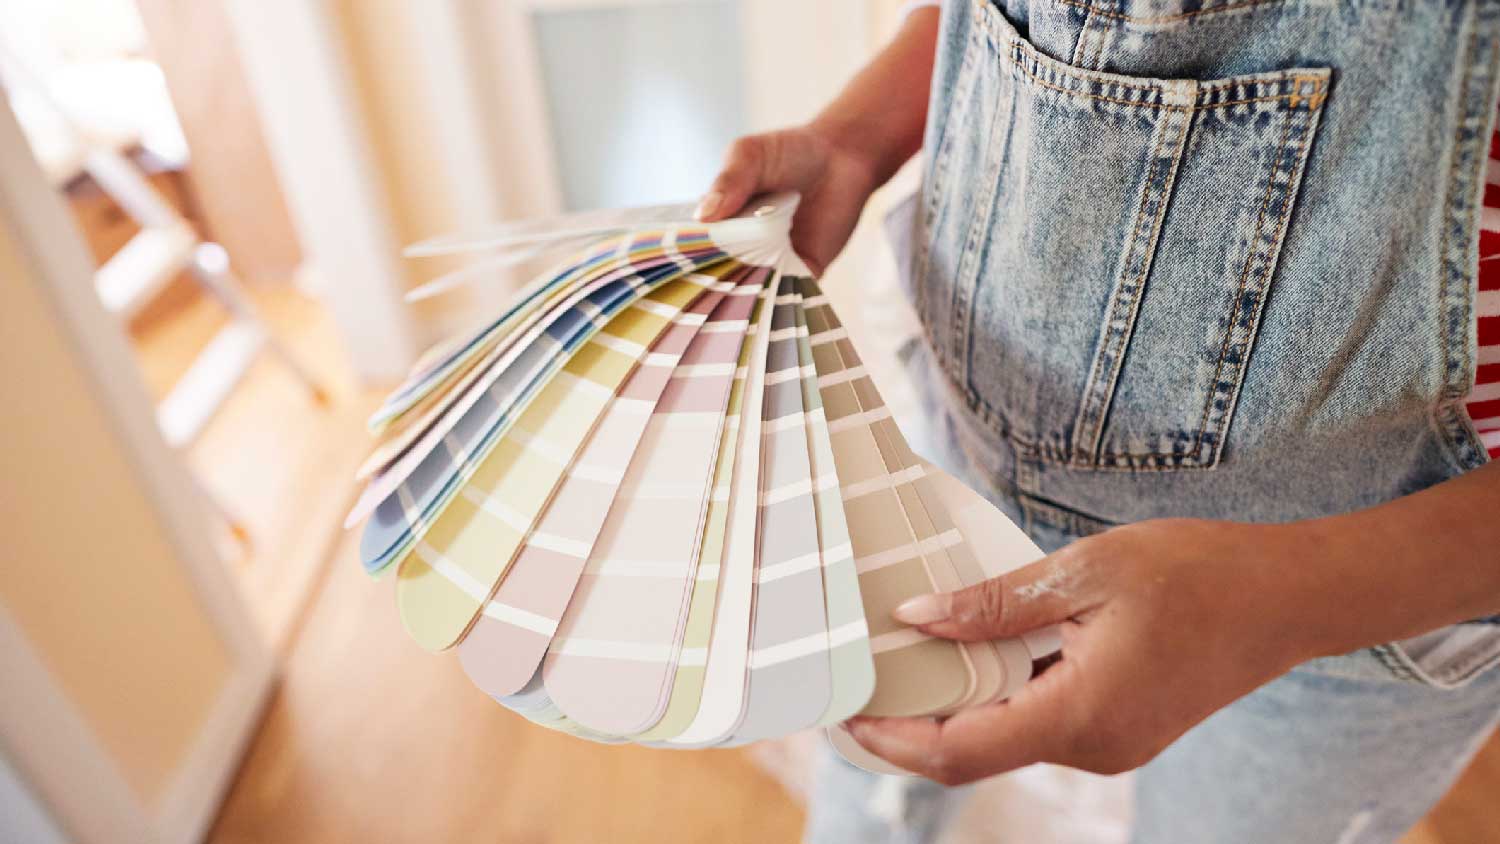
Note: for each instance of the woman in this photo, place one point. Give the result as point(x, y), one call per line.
point(1198, 283)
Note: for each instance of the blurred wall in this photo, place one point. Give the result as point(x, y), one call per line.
point(455, 95)
point(392, 122)
point(447, 90)
point(91, 577)
point(234, 185)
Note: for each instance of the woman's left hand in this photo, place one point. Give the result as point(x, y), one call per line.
point(1164, 622)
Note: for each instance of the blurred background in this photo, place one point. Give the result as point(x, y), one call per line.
point(202, 210)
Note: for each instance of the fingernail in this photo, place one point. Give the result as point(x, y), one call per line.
point(708, 205)
point(923, 609)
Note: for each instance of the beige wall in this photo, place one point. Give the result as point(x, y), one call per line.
point(450, 96)
point(234, 185)
point(417, 90)
point(88, 573)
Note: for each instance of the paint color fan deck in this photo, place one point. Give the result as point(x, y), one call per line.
point(658, 498)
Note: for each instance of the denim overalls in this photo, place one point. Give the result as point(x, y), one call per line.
point(1216, 258)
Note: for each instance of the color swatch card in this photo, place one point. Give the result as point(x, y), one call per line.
point(658, 498)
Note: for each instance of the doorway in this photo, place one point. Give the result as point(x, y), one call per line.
point(143, 123)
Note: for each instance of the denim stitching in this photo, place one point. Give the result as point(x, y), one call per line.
point(945, 147)
point(966, 283)
point(1101, 38)
point(1461, 670)
point(1239, 295)
point(1062, 455)
point(1386, 655)
point(1466, 671)
point(1452, 676)
point(1065, 519)
point(967, 71)
point(956, 352)
point(1120, 16)
point(1083, 454)
point(1452, 198)
point(1292, 177)
point(1021, 54)
point(1288, 87)
point(1144, 277)
point(1127, 299)
point(1244, 284)
point(1181, 459)
point(1025, 58)
point(1291, 95)
point(1080, 45)
point(1052, 454)
point(1449, 417)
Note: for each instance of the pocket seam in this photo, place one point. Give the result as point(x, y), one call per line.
point(931, 209)
point(1075, 456)
point(1125, 300)
point(942, 155)
point(1450, 415)
point(1035, 510)
point(1307, 83)
point(1315, 97)
point(1300, 94)
point(1179, 16)
point(1239, 294)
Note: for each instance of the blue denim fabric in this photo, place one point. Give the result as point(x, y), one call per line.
point(1217, 258)
point(1212, 259)
point(1339, 750)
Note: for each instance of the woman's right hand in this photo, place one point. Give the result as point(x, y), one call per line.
point(834, 183)
point(858, 142)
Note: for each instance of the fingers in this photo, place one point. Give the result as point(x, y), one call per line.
point(1048, 591)
point(757, 164)
point(973, 744)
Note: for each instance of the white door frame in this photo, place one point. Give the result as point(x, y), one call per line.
point(43, 735)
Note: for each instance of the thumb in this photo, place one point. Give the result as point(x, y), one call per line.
point(1043, 593)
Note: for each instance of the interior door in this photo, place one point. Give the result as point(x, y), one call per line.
point(133, 674)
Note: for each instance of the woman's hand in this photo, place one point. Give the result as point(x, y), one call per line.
point(858, 142)
point(1164, 622)
point(834, 183)
point(1167, 621)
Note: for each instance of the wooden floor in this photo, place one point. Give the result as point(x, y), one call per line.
point(370, 739)
point(271, 457)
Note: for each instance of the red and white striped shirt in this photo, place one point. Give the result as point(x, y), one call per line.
point(1484, 401)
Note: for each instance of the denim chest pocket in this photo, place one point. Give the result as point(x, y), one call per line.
point(1099, 248)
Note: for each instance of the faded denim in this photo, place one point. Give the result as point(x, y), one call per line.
point(1217, 259)
point(1340, 750)
point(1247, 297)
